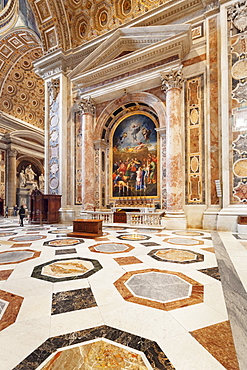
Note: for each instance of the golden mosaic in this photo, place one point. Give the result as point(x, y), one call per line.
point(96, 355)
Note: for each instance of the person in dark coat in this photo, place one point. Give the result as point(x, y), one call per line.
point(22, 214)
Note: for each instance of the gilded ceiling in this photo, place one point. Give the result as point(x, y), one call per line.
point(65, 24)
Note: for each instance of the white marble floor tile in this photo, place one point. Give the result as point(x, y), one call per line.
point(69, 322)
point(185, 353)
point(197, 316)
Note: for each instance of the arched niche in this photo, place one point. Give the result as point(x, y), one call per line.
point(150, 111)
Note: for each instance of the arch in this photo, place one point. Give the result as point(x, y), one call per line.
point(148, 99)
point(25, 159)
point(32, 136)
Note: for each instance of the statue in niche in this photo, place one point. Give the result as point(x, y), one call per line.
point(41, 183)
point(22, 179)
point(29, 173)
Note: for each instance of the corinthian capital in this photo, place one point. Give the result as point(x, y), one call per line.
point(86, 105)
point(172, 79)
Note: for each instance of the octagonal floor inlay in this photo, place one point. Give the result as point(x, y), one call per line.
point(111, 248)
point(183, 241)
point(63, 242)
point(176, 255)
point(101, 347)
point(3, 234)
point(93, 356)
point(146, 287)
point(133, 237)
point(66, 269)
point(17, 256)
point(188, 233)
point(159, 287)
point(27, 238)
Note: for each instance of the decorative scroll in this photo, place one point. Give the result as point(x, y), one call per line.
point(78, 159)
point(195, 192)
point(237, 38)
point(53, 90)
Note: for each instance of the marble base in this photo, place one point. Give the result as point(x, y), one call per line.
point(66, 215)
point(174, 223)
point(209, 220)
point(241, 229)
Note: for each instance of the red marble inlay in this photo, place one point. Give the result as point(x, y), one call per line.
point(5, 274)
point(12, 309)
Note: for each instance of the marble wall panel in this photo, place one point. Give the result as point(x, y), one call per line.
point(195, 184)
point(214, 107)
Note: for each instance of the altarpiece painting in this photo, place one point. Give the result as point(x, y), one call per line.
point(134, 156)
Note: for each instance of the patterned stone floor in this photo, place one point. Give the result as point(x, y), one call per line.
point(137, 299)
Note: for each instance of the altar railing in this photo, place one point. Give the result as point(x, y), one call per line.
point(133, 218)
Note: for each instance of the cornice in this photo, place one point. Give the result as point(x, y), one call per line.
point(11, 123)
point(178, 45)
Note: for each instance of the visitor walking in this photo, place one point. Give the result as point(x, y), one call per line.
point(22, 214)
point(15, 210)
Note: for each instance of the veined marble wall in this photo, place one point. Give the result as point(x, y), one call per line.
point(2, 173)
point(215, 168)
point(237, 41)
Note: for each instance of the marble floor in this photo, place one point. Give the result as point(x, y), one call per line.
point(134, 299)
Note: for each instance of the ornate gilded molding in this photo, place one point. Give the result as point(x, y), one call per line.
point(86, 105)
point(172, 80)
point(237, 13)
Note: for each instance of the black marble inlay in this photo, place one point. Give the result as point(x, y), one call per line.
point(72, 300)
point(198, 256)
point(37, 271)
point(212, 271)
point(240, 236)
point(157, 358)
point(150, 244)
point(65, 251)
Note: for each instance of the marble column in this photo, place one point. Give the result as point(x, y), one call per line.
point(172, 84)
point(87, 111)
point(11, 179)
